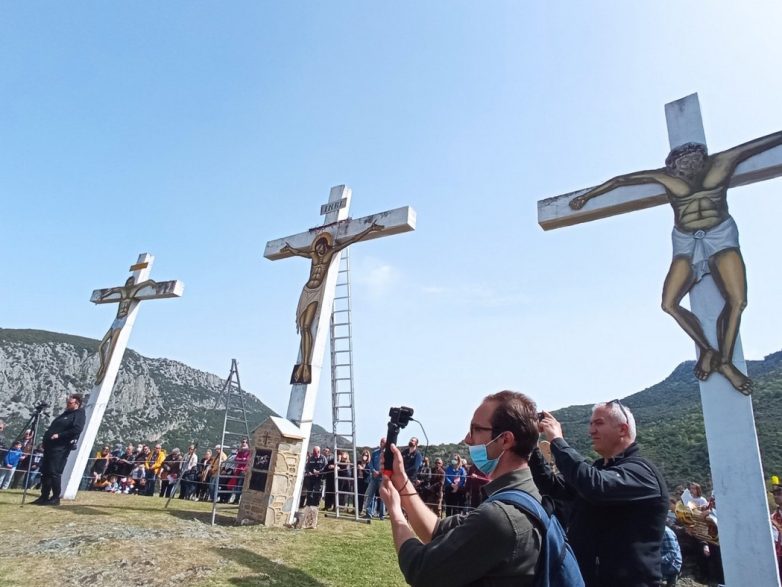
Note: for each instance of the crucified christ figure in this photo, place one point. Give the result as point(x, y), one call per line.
point(321, 251)
point(705, 240)
point(127, 292)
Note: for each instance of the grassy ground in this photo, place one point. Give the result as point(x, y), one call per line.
point(125, 540)
point(108, 540)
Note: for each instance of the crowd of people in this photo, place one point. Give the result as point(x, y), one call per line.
point(142, 470)
point(133, 469)
point(450, 522)
point(621, 528)
point(445, 489)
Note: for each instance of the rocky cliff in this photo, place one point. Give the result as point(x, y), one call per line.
point(155, 400)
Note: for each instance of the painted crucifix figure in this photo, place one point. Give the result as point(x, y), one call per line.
point(125, 296)
point(137, 288)
point(707, 264)
point(324, 246)
point(705, 240)
point(322, 250)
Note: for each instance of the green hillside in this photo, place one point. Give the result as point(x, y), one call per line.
point(670, 423)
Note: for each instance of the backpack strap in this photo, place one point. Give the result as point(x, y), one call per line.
point(526, 502)
point(541, 519)
point(557, 565)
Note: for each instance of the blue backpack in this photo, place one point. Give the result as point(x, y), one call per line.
point(557, 566)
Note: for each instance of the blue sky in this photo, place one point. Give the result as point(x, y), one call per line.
point(197, 131)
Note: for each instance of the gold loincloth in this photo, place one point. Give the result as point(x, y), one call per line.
point(308, 295)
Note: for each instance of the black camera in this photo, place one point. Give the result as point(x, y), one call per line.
point(41, 407)
point(399, 418)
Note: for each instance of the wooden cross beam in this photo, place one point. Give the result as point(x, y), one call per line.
point(556, 212)
point(137, 288)
point(705, 243)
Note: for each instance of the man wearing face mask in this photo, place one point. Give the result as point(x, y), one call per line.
point(495, 544)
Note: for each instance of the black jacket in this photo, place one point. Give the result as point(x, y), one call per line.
point(67, 426)
point(618, 515)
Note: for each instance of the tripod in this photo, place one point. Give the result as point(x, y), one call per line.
point(33, 426)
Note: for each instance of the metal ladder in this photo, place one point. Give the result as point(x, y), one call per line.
point(342, 396)
point(234, 424)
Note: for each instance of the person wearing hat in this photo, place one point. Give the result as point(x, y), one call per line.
point(776, 518)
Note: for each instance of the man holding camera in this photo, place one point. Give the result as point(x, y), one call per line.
point(58, 440)
point(619, 502)
point(495, 544)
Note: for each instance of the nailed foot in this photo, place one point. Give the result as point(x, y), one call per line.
point(302, 374)
point(737, 379)
point(707, 363)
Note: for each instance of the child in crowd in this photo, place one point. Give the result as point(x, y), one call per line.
point(9, 463)
point(137, 475)
point(102, 483)
point(113, 486)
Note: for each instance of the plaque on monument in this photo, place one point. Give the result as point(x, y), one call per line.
point(262, 459)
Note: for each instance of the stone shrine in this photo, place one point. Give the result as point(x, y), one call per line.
point(271, 473)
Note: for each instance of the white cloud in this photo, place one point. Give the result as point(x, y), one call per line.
point(375, 275)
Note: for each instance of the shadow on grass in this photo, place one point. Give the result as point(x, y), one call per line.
point(264, 571)
point(86, 510)
point(76, 508)
point(222, 518)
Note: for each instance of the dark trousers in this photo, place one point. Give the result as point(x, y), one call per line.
point(362, 489)
point(186, 488)
point(311, 490)
point(454, 501)
point(52, 466)
point(150, 476)
point(166, 487)
point(328, 498)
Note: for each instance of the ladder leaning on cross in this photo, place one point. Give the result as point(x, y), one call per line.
point(707, 265)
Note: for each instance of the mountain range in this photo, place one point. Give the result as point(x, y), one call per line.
point(160, 400)
point(154, 400)
point(670, 423)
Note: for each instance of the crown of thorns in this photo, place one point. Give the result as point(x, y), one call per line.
point(682, 150)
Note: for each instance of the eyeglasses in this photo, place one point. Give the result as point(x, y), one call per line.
point(474, 429)
point(621, 408)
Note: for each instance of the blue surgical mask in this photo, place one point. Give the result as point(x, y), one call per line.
point(480, 458)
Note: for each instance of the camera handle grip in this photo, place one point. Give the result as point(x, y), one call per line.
point(392, 435)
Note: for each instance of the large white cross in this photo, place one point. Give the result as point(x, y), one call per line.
point(301, 406)
point(748, 556)
point(110, 351)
